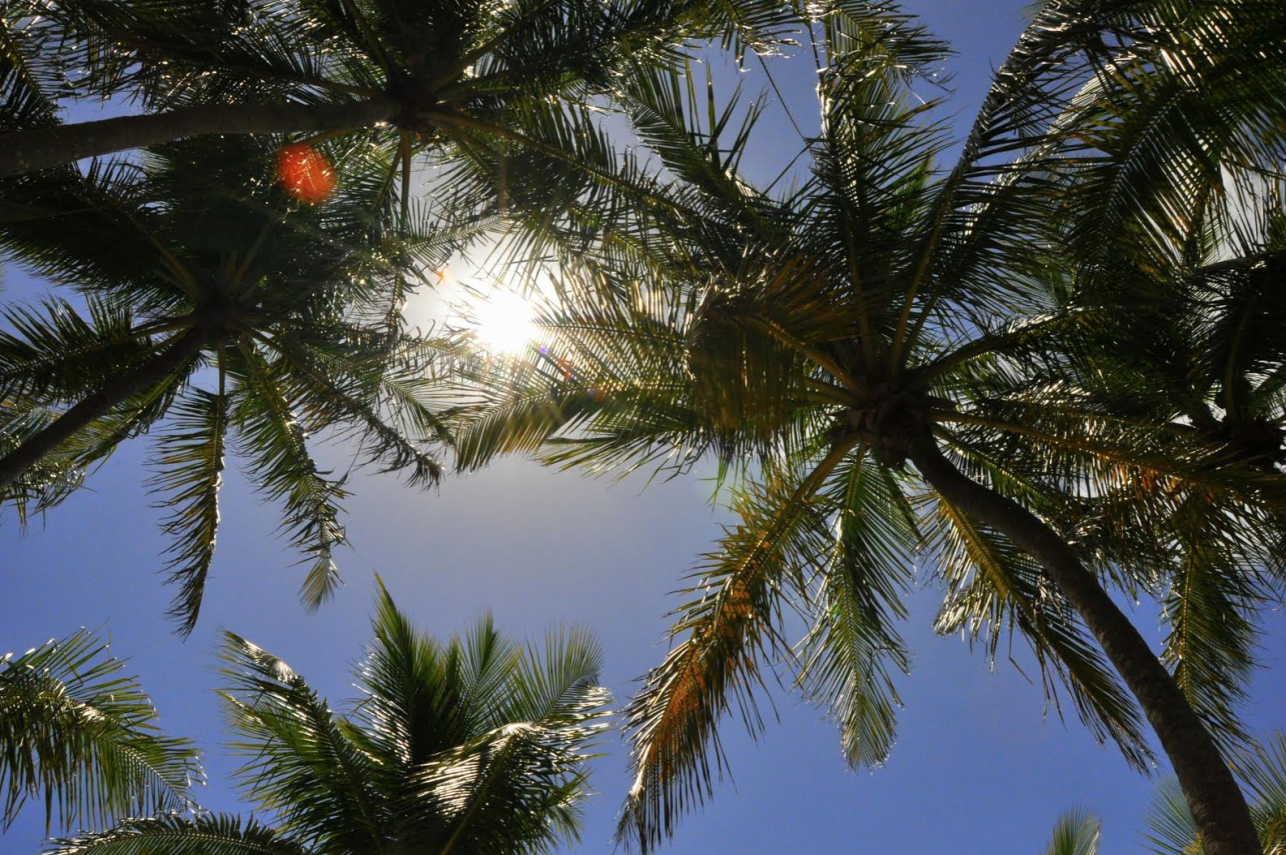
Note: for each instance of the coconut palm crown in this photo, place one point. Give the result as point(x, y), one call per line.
point(886, 312)
point(222, 317)
point(472, 746)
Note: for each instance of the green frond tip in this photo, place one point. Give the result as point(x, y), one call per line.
point(1077, 832)
point(81, 736)
point(1171, 828)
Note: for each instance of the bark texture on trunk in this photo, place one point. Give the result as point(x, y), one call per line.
point(1212, 793)
point(41, 148)
point(99, 403)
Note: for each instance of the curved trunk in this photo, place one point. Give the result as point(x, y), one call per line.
point(1208, 784)
point(41, 148)
point(99, 403)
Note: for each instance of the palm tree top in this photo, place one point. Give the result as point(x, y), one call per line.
point(476, 745)
point(887, 309)
point(194, 257)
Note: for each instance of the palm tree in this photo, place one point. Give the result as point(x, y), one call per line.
point(1262, 768)
point(458, 80)
point(194, 259)
point(1172, 830)
point(1196, 350)
point(1180, 294)
point(82, 737)
point(472, 746)
point(883, 313)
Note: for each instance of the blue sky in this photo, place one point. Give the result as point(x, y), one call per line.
point(980, 766)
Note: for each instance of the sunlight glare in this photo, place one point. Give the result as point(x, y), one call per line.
point(503, 322)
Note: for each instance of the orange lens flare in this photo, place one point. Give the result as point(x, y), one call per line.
point(305, 173)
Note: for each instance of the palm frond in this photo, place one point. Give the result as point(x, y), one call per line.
point(473, 745)
point(992, 585)
point(1210, 609)
point(521, 783)
point(412, 705)
point(851, 648)
point(56, 352)
point(1180, 124)
point(298, 763)
point(47, 483)
point(272, 436)
point(1171, 828)
point(82, 737)
point(191, 460)
point(519, 786)
point(727, 631)
point(377, 397)
point(1261, 766)
point(606, 387)
point(1262, 770)
point(29, 82)
point(557, 681)
point(205, 834)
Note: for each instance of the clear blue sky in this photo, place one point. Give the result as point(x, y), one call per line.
point(980, 765)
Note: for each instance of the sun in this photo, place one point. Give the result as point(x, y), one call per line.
point(503, 322)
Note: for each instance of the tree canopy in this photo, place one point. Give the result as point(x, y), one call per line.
point(474, 745)
point(1040, 364)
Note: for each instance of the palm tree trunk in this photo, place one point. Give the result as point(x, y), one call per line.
point(40, 148)
point(99, 403)
point(1212, 793)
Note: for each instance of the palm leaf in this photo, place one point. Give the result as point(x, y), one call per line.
point(1262, 768)
point(520, 784)
point(726, 632)
point(993, 585)
point(206, 834)
point(56, 352)
point(273, 438)
point(48, 482)
point(191, 462)
point(83, 737)
point(1171, 828)
point(851, 648)
point(298, 763)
